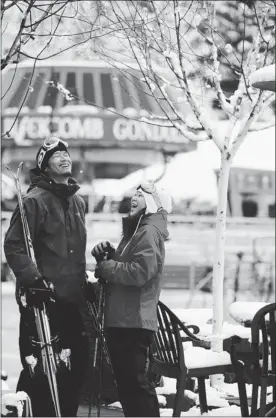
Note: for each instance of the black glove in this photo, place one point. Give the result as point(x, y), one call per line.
point(40, 292)
point(98, 275)
point(102, 249)
point(90, 292)
point(29, 275)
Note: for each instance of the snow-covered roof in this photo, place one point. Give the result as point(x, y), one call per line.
point(256, 152)
point(94, 63)
point(187, 176)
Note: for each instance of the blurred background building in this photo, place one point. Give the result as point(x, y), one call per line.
point(112, 151)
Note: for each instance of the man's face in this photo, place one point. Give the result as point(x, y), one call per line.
point(137, 203)
point(60, 164)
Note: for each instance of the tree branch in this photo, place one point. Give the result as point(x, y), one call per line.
point(227, 107)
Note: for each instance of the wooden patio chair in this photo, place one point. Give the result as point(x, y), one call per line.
point(169, 356)
point(259, 367)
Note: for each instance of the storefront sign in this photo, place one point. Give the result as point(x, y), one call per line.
point(86, 130)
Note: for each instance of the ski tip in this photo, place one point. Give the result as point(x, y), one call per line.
point(21, 164)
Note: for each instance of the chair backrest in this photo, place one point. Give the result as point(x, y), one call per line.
point(264, 348)
point(167, 348)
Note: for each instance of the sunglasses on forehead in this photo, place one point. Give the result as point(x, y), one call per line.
point(150, 188)
point(51, 143)
point(147, 187)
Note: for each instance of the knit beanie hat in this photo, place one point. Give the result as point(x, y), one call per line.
point(50, 146)
point(155, 197)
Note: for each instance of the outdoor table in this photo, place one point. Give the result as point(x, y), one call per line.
point(244, 312)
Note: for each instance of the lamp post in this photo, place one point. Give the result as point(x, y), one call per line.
point(264, 78)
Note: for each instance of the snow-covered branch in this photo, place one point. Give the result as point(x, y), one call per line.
point(182, 79)
point(247, 123)
point(227, 107)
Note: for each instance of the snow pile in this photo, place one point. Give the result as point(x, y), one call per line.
point(214, 398)
point(166, 412)
point(230, 390)
point(197, 357)
point(168, 387)
point(162, 400)
point(115, 405)
point(245, 311)
point(228, 330)
point(229, 411)
point(16, 400)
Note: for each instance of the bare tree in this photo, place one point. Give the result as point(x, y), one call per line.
point(38, 30)
point(184, 46)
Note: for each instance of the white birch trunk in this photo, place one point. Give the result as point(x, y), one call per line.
point(219, 255)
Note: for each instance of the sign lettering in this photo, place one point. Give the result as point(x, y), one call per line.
point(30, 128)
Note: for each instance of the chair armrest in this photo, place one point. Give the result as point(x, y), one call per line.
point(195, 328)
point(190, 336)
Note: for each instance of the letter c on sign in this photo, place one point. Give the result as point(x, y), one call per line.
point(119, 129)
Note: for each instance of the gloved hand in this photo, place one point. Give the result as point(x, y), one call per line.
point(90, 292)
point(101, 249)
point(28, 275)
point(40, 292)
point(98, 275)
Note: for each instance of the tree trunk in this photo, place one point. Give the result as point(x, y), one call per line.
point(219, 255)
point(218, 266)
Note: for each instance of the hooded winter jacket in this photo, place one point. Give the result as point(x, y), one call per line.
point(134, 276)
point(56, 219)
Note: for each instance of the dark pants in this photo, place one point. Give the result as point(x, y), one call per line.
point(129, 352)
point(67, 320)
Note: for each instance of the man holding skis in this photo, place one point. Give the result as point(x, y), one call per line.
point(55, 216)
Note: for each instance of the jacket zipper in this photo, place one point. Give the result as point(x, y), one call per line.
point(127, 244)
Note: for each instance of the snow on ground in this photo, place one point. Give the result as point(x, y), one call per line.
point(245, 311)
point(169, 386)
point(214, 397)
point(229, 411)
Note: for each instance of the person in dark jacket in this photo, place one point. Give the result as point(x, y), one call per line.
point(56, 219)
point(133, 277)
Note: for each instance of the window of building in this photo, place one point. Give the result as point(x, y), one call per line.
point(266, 182)
point(20, 91)
point(50, 98)
point(114, 170)
point(249, 207)
point(72, 87)
point(143, 94)
point(88, 88)
point(31, 101)
point(125, 94)
point(107, 91)
point(271, 210)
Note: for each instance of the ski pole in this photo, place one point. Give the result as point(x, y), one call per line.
point(101, 320)
point(41, 318)
point(99, 335)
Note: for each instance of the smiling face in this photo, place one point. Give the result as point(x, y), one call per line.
point(59, 165)
point(137, 203)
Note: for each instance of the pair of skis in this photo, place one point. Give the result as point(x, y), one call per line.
point(49, 362)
